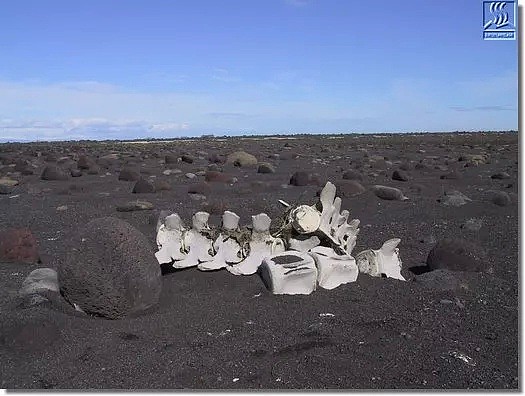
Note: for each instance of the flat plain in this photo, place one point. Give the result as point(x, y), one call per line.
point(453, 328)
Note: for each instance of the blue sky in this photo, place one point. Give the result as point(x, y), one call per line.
point(161, 68)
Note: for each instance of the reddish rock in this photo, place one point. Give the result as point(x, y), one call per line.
point(18, 245)
point(218, 177)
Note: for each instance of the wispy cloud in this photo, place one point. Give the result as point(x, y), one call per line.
point(297, 3)
point(482, 108)
point(224, 75)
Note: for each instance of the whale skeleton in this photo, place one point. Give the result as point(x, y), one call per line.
point(313, 247)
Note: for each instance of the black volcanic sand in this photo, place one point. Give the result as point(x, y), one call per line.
point(213, 330)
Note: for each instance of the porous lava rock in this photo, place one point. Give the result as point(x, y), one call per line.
point(110, 270)
point(18, 245)
point(52, 172)
point(457, 255)
point(241, 158)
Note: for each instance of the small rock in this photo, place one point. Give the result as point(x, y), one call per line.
point(472, 225)
point(61, 208)
point(190, 175)
point(389, 193)
point(500, 176)
point(352, 175)
point(18, 245)
point(301, 178)
point(400, 175)
point(143, 186)
point(454, 198)
point(75, 172)
point(5, 189)
point(500, 198)
point(128, 174)
point(265, 167)
point(51, 172)
point(187, 158)
point(8, 182)
point(171, 159)
point(133, 206)
point(168, 172)
point(41, 280)
point(457, 255)
point(453, 175)
point(202, 188)
point(241, 158)
point(218, 177)
point(162, 185)
point(349, 188)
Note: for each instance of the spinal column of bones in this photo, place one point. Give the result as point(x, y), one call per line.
point(313, 247)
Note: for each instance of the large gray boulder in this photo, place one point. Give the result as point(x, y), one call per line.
point(111, 270)
point(458, 255)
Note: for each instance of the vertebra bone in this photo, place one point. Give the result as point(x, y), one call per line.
point(289, 272)
point(226, 247)
point(384, 261)
point(261, 245)
point(333, 269)
point(196, 245)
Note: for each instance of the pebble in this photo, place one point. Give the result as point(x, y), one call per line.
point(190, 175)
point(133, 206)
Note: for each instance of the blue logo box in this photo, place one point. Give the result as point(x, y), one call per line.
point(499, 20)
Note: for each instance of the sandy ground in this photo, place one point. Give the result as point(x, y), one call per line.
point(219, 331)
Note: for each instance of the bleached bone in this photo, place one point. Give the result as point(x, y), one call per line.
point(197, 246)
point(170, 240)
point(226, 247)
point(261, 245)
point(329, 222)
point(333, 269)
point(382, 262)
point(289, 272)
point(303, 245)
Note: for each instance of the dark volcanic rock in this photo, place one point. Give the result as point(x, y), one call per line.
point(187, 158)
point(388, 193)
point(452, 175)
point(501, 176)
point(143, 186)
point(18, 245)
point(111, 270)
point(265, 167)
point(301, 178)
point(217, 158)
point(51, 172)
point(457, 255)
point(129, 174)
point(349, 188)
point(352, 175)
point(400, 175)
point(500, 198)
point(218, 177)
point(202, 188)
point(171, 159)
point(84, 162)
point(6, 189)
point(162, 185)
point(76, 173)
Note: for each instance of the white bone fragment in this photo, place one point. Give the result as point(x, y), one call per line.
point(333, 269)
point(228, 251)
point(334, 224)
point(305, 219)
point(284, 203)
point(196, 245)
point(261, 245)
point(303, 245)
point(382, 262)
point(170, 240)
point(290, 272)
